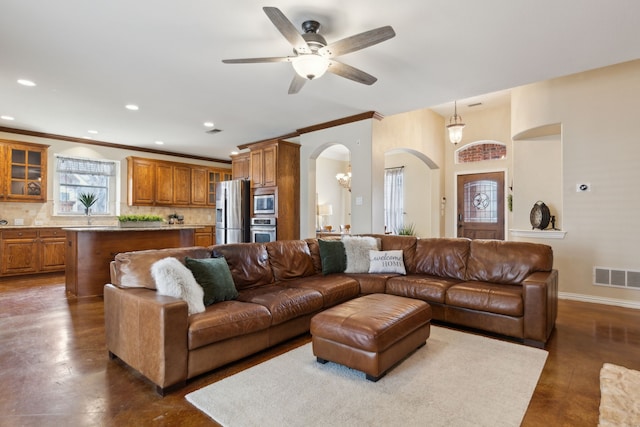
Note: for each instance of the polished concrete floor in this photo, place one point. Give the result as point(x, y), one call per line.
point(54, 369)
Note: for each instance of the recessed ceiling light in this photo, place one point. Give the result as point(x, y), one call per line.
point(132, 107)
point(7, 118)
point(160, 142)
point(233, 153)
point(25, 82)
point(209, 124)
point(92, 131)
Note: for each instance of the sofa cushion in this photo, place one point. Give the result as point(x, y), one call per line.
point(506, 262)
point(175, 280)
point(391, 242)
point(357, 249)
point(333, 257)
point(215, 278)
point(386, 262)
point(314, 250)
point(284, 303)
point(483, 296)
point(442, 257)
point(226, 320)
point(335, 289)
point(248, 262)
point(133, 269)
point(290, 259)
point(423, 287)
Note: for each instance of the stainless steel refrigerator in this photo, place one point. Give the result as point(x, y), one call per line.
point(232, 211)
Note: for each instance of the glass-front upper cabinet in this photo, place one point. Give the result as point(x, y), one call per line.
point(25, 171)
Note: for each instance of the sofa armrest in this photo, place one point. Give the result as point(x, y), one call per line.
point(540, 296)
point(148, 332)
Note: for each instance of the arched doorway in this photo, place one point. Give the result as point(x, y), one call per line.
point(333, 200)
point(421, 201)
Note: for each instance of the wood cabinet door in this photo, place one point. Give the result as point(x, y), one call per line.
point(26, 172)
point(141, 182)
point(270, 166)
point(256, 169)
point(164, 184)
point(19, 256)
point(181, 185)
point(52, 254)
point(240, 166)
point(199, 186)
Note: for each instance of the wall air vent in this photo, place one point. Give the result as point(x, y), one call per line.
point(213, 131)
point(615, 277)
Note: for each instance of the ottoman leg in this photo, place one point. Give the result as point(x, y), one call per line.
point(321, 360)
point(375, 379)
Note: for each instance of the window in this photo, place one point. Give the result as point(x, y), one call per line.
point(75, 176)
point(394, 199)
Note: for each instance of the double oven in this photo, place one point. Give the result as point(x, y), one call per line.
point(263, 222)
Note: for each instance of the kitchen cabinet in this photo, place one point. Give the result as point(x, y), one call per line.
point(32, 250)
point(264, 166)
point(205, 236)
point(214, 176)
point(23, 170)
point(240, 166)
point(275, 169)
point(160, 183)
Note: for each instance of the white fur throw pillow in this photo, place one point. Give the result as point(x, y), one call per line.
point(386, 262)
point(175, 280)
point(357, 249)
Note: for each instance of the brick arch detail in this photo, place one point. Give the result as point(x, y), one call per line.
point(481, 150)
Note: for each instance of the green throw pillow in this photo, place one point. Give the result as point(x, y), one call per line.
point(333, 256)
point(214, 276)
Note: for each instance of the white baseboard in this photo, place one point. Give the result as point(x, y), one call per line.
point(600, 300)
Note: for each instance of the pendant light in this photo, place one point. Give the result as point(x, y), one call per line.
point(455, 126)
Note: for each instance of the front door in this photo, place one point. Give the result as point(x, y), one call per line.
point(481, 206)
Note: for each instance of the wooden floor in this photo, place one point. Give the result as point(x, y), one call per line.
point(54, 369)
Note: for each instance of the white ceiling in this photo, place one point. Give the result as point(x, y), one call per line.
point(90, 58)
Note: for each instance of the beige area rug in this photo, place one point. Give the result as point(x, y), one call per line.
point(457, 379)
point(619, 396)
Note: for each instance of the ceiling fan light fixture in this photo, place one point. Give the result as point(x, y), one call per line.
point(310, 66)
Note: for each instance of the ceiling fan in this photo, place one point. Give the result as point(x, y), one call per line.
point(313, 56)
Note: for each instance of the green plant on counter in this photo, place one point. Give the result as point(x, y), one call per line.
point(406, 230)
point(140, 217)
point(87, 200)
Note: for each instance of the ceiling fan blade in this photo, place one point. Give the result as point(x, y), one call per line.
point(357, 42)
point(296, 84)
point(287, 29)
point(256, 60)
point(351, 73)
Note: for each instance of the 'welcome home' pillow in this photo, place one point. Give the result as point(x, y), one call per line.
point(386, 262)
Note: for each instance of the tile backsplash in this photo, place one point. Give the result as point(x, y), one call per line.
point(40, 214)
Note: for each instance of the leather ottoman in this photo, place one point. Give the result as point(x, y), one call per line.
point(371, 333)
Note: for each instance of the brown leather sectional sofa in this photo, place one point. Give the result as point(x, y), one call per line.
point(508, 288)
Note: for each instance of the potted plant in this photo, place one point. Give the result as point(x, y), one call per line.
point(140, 220)
point(87, 200)
point(406, 230)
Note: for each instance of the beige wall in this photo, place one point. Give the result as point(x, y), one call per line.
point(491, 124)
point(598, 112)
point(42, 213)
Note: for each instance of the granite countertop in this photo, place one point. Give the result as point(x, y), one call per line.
point(117, 228)
point(105, 227)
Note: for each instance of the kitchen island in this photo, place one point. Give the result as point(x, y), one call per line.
point(90, 250)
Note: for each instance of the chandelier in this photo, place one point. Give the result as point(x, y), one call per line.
point(455, 126)
point(344, 179)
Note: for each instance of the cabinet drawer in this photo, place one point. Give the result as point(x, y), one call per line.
point(207, 229)
point(52, 232)
point(19, 234)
